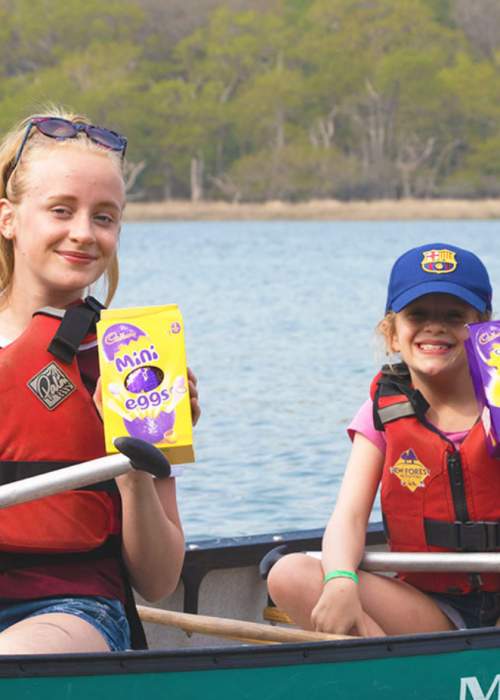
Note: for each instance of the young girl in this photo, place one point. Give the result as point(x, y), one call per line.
point(419, 436)
point(65, 560)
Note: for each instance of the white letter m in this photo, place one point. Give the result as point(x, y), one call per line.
point(475, 692)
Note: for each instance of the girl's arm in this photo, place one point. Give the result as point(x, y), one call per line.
point(153, 541)
point(338, 609)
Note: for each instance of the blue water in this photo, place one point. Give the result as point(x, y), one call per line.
point(280, 320)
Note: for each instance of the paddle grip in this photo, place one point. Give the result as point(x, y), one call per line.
point(144, 456)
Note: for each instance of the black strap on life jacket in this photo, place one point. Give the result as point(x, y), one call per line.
point(137, 634)
point(482, 536)
point(76, 323)
point(16, 471)
point(26, 560)
point(395, 381)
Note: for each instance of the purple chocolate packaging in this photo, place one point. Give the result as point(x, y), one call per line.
point(483, 354)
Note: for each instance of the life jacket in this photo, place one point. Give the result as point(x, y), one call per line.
point(434, 497)
point(49, 421)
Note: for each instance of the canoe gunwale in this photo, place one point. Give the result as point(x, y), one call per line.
point(222, 658)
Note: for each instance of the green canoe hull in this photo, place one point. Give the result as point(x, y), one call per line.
point(465, 666)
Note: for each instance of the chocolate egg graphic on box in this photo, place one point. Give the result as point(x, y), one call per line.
point(152, 429)
point(141, 395)
point(143, 379)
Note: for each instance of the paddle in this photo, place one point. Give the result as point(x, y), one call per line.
point(465, 562)
point(472, 562)
point(136, 454)
point(250, 632)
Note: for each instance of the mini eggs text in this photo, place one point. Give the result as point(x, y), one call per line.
point(136, 359)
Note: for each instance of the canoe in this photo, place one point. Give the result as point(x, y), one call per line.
point(224, 578)
point(221, 578)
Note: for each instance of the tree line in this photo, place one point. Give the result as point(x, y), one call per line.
point(283, 99)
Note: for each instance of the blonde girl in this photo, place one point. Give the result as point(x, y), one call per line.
point(62, 197)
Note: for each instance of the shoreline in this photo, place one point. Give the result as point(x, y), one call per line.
point(321, 210)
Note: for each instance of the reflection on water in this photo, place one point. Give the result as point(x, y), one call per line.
point(280, 320)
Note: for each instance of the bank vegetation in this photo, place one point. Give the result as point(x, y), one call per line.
point(291, 100)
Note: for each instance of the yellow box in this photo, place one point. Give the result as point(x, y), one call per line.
point(145, 391)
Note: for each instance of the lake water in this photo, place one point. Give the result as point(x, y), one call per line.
point(280, 320)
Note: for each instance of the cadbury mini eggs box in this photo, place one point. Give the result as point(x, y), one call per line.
point(483, 353)
point(144, 379)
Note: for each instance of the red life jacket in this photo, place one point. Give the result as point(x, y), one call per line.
point(434, 497)
point(68, 543)
point(49, 421)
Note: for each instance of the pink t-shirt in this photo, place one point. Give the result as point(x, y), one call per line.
point(363, 423)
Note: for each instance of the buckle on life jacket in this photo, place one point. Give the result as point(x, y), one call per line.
point(483, 536)
point(95, 305)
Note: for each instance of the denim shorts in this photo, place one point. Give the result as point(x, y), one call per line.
point(107, 616)
point(479, 609)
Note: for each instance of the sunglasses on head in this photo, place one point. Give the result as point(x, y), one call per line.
point(62, 129)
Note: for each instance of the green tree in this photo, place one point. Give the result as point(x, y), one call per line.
point(43, 31)
point(474, 86)
point(384, 59)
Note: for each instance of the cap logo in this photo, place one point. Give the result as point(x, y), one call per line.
point(439, 262)
point(410, 471)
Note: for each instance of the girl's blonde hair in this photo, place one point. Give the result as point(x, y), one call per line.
point(13, 181)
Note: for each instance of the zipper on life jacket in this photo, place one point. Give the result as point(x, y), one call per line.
point(456, 477)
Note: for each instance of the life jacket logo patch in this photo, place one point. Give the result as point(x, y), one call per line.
point(51, 386)
point(410, 471)
point(439, 262)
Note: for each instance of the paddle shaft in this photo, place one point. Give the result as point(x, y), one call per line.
point(466, 562)
point(241, 630)
point(73, 477)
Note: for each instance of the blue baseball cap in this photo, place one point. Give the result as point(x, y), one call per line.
point(441, 268)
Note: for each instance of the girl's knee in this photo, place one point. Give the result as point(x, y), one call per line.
point(289, 574)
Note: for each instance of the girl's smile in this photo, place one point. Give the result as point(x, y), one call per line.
point(431, 347)
point(76, 257)
point(430, 332)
